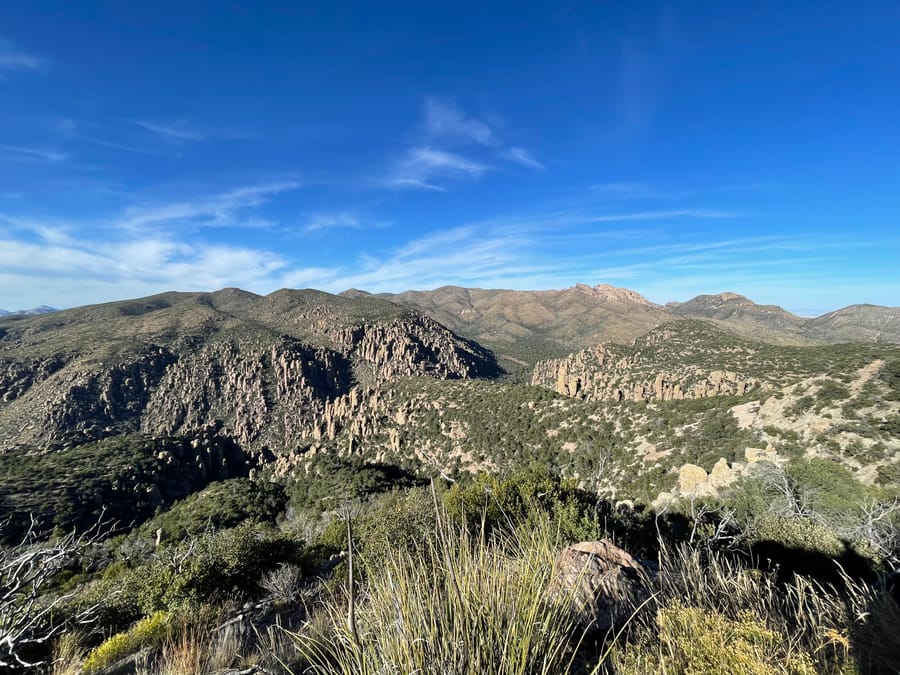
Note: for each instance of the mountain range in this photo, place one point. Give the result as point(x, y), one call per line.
point(210, 385)
point(43, 309)
point(522, 327)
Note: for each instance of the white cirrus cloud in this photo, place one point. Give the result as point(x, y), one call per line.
point(445, 121)
point(329, 221)
point(221, 210)
point(523, 157)
point(422, 167)
point(175, 131)
point(14, 60)
point(437, 158)
point(43, 154)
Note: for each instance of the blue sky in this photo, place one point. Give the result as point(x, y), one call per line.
point(673, 148)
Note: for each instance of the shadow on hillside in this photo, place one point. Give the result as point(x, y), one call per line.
point(788, 561)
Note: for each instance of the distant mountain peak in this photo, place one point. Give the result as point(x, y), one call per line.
point(43, 309)
point(728, 296)
point(612, 293)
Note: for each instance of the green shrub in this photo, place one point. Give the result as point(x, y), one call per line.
point(830, 392)
point(701, 642)
point(213, 566)
point(803, 405)
point(888, 474)
point(219, 506)
point(398, 521)
point(527, 495)
point(150, 631)
point(832, 490)
point(890, 375)
point(798, 533)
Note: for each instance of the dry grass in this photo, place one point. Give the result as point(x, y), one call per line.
point(464, 606)
point(69, 654)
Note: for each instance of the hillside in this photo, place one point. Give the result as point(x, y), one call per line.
point(232, 443)
point(522, 327)
point(857, 323)
point(168, 364)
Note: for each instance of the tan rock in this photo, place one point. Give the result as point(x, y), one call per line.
point(721, 475)
point(692, 479)
point(604, 583)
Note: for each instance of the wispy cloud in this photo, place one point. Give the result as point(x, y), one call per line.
point(659, 215)
point(523, 157)
point(42, 154)
point(219, 210)
point(330, 221)
point(81, 131)
point(13, 60)
point(173, 131)
point(453, 145)
point(444, 121)
point(423, 166)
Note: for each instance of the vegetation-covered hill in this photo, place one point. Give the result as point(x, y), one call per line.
point(172, 363)
point(526, 326)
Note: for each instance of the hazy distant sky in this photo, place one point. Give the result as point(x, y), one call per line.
point(672, 148)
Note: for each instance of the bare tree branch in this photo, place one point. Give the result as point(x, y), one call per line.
point(26, 572)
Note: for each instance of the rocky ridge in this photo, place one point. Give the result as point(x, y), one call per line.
point(654, 368)
point(522, 327)
point(265, 367)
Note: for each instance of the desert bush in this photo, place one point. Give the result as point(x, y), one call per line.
point(832, 490)
point(703, 642)
point(151, 631)
point(830, 392)
point(800, 534)
point(213, 566)
point(842, 630)
point(219, 506)
point(397, 521)
point(890, 375)
point(488, 502)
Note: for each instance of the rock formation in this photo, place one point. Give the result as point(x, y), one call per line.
point(604, 583)
point(265, 368)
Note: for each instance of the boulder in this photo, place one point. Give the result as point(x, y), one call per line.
point(692, 480)
point(604, 583)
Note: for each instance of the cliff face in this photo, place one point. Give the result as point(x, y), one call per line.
point(263, 368)
point(602, 374)
point(663, 365)
point(260, 392)
point(409, 347)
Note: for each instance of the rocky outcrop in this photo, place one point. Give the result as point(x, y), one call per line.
point(16, 377)
point(694, 481)
point(603, 582)
point(609, 372)
point(260, 393)
point(265, 368)
point(409, 347)
point(60, 401)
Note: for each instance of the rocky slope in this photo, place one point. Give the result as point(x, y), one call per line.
point(265, 367)
point(740, 315)
point(662, 365)
point(857, 323)
point(523, 326)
